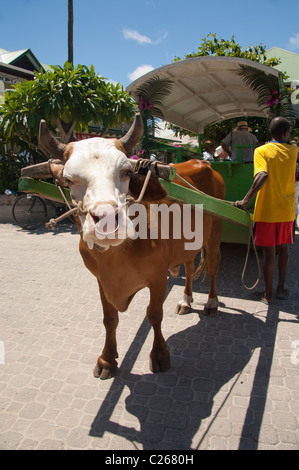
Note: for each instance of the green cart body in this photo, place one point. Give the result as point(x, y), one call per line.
point(238, 178)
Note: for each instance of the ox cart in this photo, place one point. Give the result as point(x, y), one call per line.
point(206, 90)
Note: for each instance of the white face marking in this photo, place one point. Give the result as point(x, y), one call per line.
point(98, 174)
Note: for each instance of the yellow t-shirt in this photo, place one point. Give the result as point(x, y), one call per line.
point(275, 202)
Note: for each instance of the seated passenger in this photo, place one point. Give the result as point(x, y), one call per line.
point(240, 136)
point(209, 150)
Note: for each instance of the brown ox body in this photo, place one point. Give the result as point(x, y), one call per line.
point(125, 268)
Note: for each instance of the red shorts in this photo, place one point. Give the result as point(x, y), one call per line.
point(273, 233)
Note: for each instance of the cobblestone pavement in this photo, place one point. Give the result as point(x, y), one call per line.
point(233, 382)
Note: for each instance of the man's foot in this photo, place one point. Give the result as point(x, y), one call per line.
point(260, 296)
point(282, 294)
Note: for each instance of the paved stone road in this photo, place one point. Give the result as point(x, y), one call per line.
point(233, 381)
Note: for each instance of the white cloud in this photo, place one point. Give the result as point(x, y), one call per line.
point(132, 34)
point(141, 38)
point(294, 41)
point(139, 71)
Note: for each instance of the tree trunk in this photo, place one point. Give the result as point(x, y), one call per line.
point(70, 31)
point(66, 130)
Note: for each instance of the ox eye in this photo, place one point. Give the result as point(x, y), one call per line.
point(126, 173)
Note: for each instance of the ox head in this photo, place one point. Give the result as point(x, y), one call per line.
point(99, 175)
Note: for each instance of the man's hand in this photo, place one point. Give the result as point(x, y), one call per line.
point(241, 205)
point(257, 184)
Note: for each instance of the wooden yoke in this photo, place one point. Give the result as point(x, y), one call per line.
point(46, 169)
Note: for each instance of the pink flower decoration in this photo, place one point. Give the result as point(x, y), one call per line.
point(145, 104)
point(149, 105)
point(141, 104)
point(273, 99)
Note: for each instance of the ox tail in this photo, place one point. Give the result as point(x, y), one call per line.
point(202, 268)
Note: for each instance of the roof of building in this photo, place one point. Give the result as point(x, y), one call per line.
point(289, 62)
point(24, 59)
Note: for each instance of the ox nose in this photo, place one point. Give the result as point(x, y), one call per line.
point(106, 220)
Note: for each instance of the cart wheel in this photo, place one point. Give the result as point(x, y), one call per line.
point(29, 212)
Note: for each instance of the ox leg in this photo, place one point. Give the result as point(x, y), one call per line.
point(106, 365)
point(159, 356)
point(213, 255)
point(184, 305)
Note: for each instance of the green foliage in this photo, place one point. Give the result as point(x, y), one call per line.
point(212, 46)
point(10, 167)
point(117, 106)
point(69, 94)
point(66, 97)
point(217, 132)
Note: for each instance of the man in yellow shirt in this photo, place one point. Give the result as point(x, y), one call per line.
point(274, 211)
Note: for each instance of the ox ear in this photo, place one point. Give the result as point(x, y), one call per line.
point(153, 192)
point(52, 145)
point(56, 169)
point(134, 134)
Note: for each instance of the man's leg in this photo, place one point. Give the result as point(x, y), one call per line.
point(283, 263)
point(268, 270)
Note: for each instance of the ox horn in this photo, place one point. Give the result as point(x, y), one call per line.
point(134, 134)
point(52, 145)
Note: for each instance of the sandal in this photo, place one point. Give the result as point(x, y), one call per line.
point(260, 297)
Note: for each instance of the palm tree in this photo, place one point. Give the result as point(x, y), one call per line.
point(271, 92)
point(151, 96)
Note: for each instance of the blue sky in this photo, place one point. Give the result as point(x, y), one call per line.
point(124, 38)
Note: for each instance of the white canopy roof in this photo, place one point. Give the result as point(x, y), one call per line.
point(206, 90)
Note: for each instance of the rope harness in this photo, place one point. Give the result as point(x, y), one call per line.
point(142, 167)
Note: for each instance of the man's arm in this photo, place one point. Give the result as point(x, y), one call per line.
point(258, 183)
point(226, 149)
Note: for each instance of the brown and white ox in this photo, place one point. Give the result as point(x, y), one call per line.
point(100, 176)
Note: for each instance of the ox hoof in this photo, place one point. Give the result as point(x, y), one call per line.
point(210, 311)
point(103, 374)
point(159, 366)
point(182, 309)
point(184, 305)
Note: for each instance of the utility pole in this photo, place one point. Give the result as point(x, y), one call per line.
point(70, 31)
